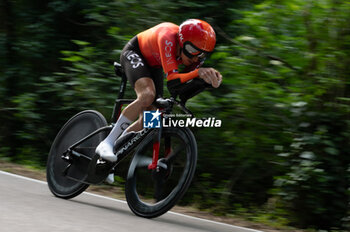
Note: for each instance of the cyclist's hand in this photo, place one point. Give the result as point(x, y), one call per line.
point(211, 76)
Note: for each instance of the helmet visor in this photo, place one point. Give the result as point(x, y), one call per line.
point(191, 51)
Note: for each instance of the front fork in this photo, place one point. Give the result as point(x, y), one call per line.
point(156, 147)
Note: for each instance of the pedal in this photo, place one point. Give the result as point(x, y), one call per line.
point(98, 170)
point(101, 162)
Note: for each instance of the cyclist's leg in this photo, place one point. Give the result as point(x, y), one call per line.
point(138, 74)
point(155, 91)
point(144, 88)
point(146, 92)
point(138, 124)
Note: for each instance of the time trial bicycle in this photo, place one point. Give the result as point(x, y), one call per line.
point(163, 162)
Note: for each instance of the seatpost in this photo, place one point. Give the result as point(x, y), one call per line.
point(120, 72)
point(118, 104)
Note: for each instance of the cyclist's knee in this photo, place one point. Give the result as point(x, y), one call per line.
point(146, 98)
point(145, 91)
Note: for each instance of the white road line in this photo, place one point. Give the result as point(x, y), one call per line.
point(124, 202)
point(23, 177)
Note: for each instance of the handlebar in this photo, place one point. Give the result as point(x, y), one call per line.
point(168, 104)
point(164, 103)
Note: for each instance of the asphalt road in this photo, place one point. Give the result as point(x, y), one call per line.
point(28, 205)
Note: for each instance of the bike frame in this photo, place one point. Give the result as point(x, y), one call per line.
point(165, 105)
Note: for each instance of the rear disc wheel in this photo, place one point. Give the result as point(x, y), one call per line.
point(75, 129)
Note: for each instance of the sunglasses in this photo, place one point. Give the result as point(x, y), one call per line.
point(191, 51)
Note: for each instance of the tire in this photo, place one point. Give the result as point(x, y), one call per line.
point(75, 129)
point(151, 193)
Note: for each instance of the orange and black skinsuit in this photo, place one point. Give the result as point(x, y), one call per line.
point(153, 51)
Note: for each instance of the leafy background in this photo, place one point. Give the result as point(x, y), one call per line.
point(282, 154)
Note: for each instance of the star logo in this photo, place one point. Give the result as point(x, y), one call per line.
point(156, 115)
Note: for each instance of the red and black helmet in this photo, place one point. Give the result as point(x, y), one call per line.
point(196, 37)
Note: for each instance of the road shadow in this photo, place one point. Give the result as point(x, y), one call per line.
point(167, 219)
point(184, 222)
point(109, 208)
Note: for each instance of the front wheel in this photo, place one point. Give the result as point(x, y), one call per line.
point(79, 126)
point(151, 193)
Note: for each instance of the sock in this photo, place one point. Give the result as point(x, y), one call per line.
point(122, 123)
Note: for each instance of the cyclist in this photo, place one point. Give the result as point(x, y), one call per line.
point(145, 57)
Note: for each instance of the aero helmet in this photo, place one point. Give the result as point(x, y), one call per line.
point(196, 38)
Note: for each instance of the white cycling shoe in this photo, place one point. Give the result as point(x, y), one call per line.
point(110, 178)
point(105, 150)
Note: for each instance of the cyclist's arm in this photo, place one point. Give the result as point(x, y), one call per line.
point(183, 77)
point(190, 72)
point(209, 75)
